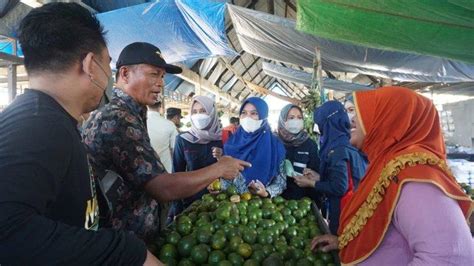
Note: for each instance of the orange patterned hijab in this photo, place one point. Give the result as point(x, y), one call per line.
point(404, 143)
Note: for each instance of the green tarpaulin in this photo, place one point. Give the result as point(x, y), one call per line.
point(443, 28)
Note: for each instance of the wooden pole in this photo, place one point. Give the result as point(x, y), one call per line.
point(319, 75)
point(316, 80)
point(11, 82)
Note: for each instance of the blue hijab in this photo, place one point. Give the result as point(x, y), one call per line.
point(334, 126)
point(261, 148)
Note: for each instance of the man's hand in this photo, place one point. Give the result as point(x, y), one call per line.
point(229, 168)
point(258, 188)
point(152, 260)
point(217, 152)
point(325, 243)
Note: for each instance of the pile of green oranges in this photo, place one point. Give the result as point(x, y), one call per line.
point(231, 229)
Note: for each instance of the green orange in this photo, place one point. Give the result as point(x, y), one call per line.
point(244, 250)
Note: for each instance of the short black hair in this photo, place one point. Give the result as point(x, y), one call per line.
point(234, 120)
point(55, 36)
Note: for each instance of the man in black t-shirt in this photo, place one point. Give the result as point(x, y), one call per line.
point(48, 201)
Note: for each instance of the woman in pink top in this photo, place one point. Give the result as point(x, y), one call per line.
point(408, 209)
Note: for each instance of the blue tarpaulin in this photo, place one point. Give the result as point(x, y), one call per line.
point(7, 47)
point(182, 29)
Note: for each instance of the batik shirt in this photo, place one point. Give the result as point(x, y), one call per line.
point(116, 139)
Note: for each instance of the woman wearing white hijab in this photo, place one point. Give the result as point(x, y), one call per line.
point(198, 147)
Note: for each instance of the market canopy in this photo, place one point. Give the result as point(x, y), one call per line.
point(183, 29)
point(276, 38)
point(303, 77)
point(443, 28)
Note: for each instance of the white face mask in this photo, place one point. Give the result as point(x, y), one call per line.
point(250, 125)
point(294, 126)
point(200, 121)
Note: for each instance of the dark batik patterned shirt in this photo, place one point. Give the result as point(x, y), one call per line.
point(116, 139)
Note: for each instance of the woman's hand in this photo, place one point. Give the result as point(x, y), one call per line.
point(313, 175)
point(257, 188)
point(304, 181)
point(217, 152)
point(325, 243)
point(152, 260)
point(308, 179)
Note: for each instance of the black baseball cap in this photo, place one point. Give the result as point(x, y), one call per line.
point(145, 53)
point(173, 111)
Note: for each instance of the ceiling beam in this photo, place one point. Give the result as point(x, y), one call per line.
point(18, 79)
point(290, 4)
point(257, 88)
point(329, 74)
point(196, 79)
point(251, 65)
point(11, 58)
point(292, 89)
point(287, 91)
point(271, 7)
point(258, 73)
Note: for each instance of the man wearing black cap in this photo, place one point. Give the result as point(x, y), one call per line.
point(116, 138)
point(174, 115)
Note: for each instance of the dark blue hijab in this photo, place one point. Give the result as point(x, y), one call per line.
point(261, 148)
point(334, 126)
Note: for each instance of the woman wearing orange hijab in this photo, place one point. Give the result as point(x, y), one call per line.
point(408, 208)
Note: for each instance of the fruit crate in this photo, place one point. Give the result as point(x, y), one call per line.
point(323, 225)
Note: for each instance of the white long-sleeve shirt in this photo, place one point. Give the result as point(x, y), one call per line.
point(162, 134)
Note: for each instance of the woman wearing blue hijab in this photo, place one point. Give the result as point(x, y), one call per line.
point(341, 166)
point(255, 143)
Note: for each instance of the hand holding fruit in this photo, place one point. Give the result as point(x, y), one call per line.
point(257, 188)
point(325, 243)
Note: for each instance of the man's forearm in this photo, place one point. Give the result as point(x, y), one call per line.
point(168, 187)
